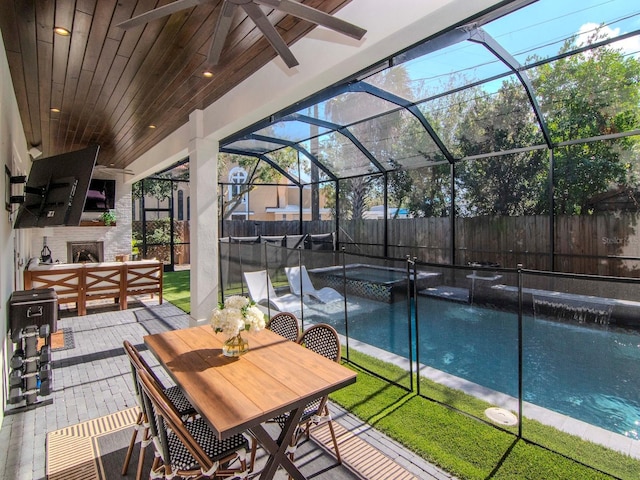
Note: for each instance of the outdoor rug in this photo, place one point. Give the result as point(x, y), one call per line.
point(80, 451)
point(95, 450)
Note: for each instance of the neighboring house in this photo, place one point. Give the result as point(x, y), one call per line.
point(621, 199)
point(267, 202)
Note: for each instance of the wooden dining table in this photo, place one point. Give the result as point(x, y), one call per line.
point(239, 394)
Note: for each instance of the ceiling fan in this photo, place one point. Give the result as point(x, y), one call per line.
point(253, 10)
point(104, 169)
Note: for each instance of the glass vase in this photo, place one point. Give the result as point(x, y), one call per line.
point(235, 346)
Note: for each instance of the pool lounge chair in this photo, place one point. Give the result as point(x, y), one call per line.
point(298, 278)
point(261, 291)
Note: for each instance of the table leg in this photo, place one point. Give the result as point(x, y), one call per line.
point(277, 449)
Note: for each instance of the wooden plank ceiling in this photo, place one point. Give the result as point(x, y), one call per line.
point(111, 85)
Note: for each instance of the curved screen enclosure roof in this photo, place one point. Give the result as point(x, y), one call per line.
point(407, 111)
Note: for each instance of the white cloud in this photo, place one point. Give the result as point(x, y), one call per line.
point(629, 45)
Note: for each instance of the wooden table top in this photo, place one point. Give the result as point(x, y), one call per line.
point(233, 394)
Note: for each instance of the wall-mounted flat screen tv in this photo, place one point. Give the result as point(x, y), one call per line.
point(101, 196)
point(56, 189)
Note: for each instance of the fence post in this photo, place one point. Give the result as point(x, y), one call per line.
point(221, 298)
point(267, 277)
point(412, 293)
point(520, 350)
point(346, 310)
point(301, 292)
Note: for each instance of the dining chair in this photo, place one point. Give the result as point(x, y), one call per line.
point(174, 394)
point(286, 325)
point(188, 449)
point(324, 340)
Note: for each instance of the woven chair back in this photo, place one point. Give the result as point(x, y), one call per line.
point(285, 324)
point(322, 339)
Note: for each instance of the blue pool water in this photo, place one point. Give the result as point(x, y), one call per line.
point(588, 373)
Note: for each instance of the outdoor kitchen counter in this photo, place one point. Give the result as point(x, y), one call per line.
point(82, 282)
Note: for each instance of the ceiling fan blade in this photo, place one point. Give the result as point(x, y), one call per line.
point(271, 34)
point(103, 169)
point(159, 13)
point(220, 33)
point(315, 16)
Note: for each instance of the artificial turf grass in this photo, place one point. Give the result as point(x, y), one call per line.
point(176, 289)
point(467, 447)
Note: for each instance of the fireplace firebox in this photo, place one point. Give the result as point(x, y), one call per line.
point(78, 252)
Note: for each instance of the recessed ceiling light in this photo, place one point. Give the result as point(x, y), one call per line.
point(152, 126)
point(207, 74)
point(55, 110)
point(63, 32)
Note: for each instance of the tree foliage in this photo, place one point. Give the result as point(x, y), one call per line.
point(501, 185)
point(586, 95)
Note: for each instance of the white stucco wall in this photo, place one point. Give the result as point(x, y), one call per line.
point(13, 245)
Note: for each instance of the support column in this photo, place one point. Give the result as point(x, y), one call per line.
point(203, 175)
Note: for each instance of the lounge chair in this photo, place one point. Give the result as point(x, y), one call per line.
point(300, 284)
point(261, 291)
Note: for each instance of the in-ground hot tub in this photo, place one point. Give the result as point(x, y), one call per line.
point(371, 281)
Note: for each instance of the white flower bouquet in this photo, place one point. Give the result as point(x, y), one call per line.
point(237, 314)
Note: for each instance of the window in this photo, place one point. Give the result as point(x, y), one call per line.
point(180, 205)
point(237, 178)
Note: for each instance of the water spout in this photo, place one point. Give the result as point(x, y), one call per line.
point(572, 313)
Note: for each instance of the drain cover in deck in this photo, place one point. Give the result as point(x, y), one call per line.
point(501, 416)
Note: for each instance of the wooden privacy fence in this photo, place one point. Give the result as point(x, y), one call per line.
point(603, 244)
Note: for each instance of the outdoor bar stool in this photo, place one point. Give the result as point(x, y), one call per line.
point(188, 449)
point(174, 394)
point(285, 324)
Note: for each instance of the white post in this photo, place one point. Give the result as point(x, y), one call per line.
point(203, 175)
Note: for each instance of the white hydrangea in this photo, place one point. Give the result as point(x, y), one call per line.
point(237, 314)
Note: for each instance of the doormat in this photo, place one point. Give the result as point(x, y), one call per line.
point(61, 340)
point(82, 450)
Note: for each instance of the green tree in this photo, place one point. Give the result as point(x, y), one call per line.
point(379, 136)
point(582, 96)
point(501, 185)
point(586, 95)
point(426, 190)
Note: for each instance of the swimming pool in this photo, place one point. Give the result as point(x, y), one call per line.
point(588, 373)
